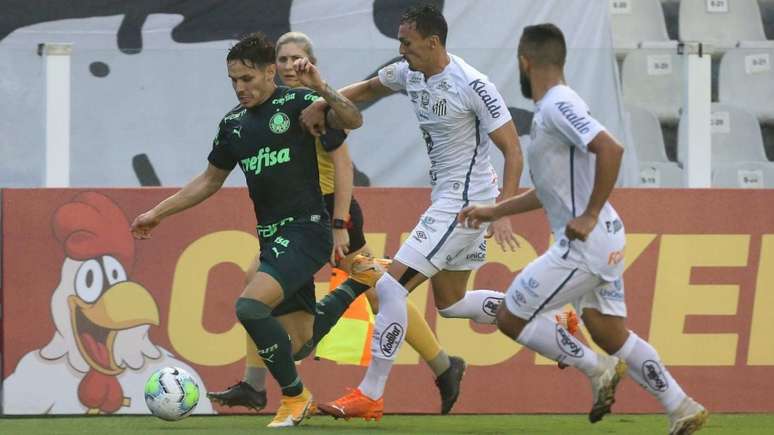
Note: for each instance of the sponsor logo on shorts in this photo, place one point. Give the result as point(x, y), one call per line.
point(491, 305)
point(612, 294)
point(529, 285)
point(613, 226)
point(428, 220)
point(456, 186)
point(390, 339)
point(419, 236)
point(476, 256)
point(615, 257)
point(569, 344)
point(654, 375)
point(519, 298)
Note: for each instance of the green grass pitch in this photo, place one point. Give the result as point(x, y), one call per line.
point(747, 424)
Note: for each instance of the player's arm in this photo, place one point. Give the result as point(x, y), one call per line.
point(506, 139)
point(343, 114)
point(314, 117)
point(475, 215)
point(343, 178)
point(196, 191)
point(609, 155)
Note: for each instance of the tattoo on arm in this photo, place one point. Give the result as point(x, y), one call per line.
point(344, 114)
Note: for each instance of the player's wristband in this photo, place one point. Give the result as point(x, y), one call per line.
point(339, 224)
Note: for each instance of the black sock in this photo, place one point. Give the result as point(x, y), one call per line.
point(330, 308)
point(273, 343)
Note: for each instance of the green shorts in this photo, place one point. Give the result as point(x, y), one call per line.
point(292, 255)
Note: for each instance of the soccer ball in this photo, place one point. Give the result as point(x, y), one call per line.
point(171, 393)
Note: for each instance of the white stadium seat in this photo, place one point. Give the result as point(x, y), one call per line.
point(746, 79)
point(655, 168)
point(721, 24)
point(738, 157)
point(637, 23)
point(652, 79)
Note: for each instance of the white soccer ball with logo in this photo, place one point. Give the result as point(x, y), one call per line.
point(171, 393)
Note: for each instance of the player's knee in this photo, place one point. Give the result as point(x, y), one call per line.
point(508, 324)
point(251, 309)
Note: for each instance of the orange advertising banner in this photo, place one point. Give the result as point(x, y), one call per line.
point(88, 312)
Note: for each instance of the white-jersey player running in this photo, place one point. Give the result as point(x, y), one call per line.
point(461, 115)
point(574, 164)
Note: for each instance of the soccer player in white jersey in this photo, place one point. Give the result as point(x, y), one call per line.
point(462, 117)
point(574, 164)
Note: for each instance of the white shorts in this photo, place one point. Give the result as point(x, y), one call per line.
point(439, 243)
point(550, 282)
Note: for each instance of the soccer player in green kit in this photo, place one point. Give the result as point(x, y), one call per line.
point(265, 138)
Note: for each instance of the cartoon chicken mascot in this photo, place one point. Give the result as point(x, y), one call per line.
point(100, 356)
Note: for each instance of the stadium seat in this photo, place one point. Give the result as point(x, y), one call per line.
point(652, 79)
point(637, 24)
point(721, 24)
point(745, 175)
point(738, 157)
point(746, 79)
point(655, 168)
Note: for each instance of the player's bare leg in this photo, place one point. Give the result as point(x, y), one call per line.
point(610, 333)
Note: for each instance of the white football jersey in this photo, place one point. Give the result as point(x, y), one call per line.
point(456, 109)
point(562, 170)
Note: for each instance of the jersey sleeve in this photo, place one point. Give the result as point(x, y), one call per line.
point(394, 75)
point(488, 105)
point(332, 139)
point(220, 156)
point(571, 117)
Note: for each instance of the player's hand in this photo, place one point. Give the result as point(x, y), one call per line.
point(340, 245)
point(503, 234)
point(144, 224)
point(475, 215)
point(313, 117)
point(580, 227)
point(308, 74)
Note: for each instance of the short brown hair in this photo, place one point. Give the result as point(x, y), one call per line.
point(543, 44)
point(254, 48)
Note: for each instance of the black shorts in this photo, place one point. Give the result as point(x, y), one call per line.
point(356, 236)
point(292, 255)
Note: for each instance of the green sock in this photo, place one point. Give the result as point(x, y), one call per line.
point(273, 343)
point(332, 306)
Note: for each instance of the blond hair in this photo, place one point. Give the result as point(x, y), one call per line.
point(302, 40)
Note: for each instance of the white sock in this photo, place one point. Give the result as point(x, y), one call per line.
point(646, 368)
point(477, 305)
point(256, 377)
point(389, 332)
point(552, 341)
